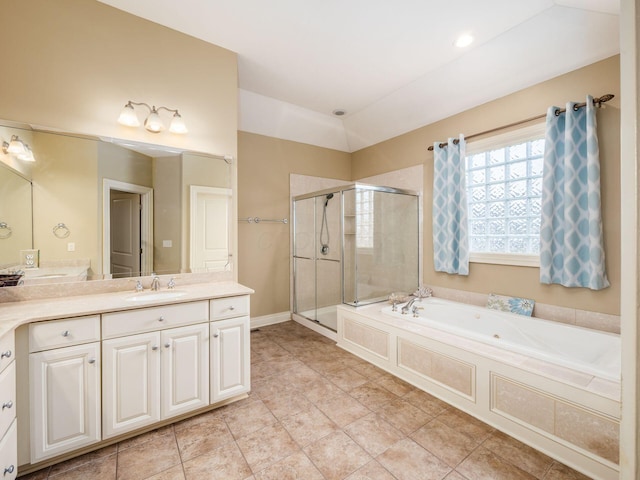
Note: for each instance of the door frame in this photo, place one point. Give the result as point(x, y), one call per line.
point(146, 224)
point(194, 190)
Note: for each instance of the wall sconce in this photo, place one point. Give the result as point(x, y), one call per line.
point(19, 149)
point(153, 122)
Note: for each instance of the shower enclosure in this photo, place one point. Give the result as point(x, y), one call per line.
point(353, 244)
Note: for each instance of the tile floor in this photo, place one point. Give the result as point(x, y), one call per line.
point(317, 412)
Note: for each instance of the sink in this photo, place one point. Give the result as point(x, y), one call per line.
point(153, 296)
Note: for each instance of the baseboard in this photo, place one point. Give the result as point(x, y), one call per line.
point(264, 320)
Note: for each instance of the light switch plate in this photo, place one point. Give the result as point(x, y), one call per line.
point(30, 258)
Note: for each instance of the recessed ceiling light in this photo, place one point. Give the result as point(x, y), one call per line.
point(339, 112)
point(464, 40)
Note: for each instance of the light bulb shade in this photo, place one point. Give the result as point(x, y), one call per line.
point(27, 156)
point(153, 123)
point(128, 117)
point(16, 146)
point(177, 125)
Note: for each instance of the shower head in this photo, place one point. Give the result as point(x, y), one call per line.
point(328, 197)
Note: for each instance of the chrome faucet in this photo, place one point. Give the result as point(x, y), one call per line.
point(139, 286)
point(155, 282)
point(171, 284)
point(405, 309)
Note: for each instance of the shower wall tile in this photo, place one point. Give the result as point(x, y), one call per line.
point(598, 321)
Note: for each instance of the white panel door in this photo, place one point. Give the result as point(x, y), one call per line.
point(125, 234)
point(230, 362)
point(185, 369)
point(210, 217)
point(130, 382)
point(65, 399)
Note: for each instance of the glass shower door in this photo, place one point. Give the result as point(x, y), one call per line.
point(304, 264)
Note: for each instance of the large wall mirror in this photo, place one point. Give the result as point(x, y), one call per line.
point(96, 208)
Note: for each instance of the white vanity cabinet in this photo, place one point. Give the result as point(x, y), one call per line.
point(64, 366)
point(147, 377)
point(8, 428)
point(230, 347)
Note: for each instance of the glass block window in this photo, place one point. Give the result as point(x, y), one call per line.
point(364, 218)
point(504, 187)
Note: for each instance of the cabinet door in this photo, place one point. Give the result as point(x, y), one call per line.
point(65, 399)
point(185, 369)
point(9, 453)
point(130, 383)
point(230, 358)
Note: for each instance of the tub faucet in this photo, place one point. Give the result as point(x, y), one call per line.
point(405, 309)
point(155, 282)
point(139, 286)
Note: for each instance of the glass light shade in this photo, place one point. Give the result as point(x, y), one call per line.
point(128, 117)
point(153, 123)
point(16, 147)
point(177, 124)
point(27, 156)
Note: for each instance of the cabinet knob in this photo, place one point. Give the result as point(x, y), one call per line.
point(92, 360)
point(216, 335)
point(9, 469)
point(8, 404)
point(167, 345)
point(66, 333)
point(6, 354)
point(161, 319)
point(155, 347)
point(232, 308)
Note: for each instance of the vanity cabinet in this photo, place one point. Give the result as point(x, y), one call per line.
point(64, 385)
point(155, 375)
point(230, 347)
point(8, 427)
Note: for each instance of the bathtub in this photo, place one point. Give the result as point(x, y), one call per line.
point(589, 351)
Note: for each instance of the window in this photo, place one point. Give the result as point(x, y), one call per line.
point(504, 187)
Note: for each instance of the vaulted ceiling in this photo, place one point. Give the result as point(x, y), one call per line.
point(392, 66)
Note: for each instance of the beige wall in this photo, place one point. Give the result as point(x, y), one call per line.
point(411, 149)
point(264, 166)
point(167, 214)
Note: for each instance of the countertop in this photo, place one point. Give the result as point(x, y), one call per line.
point(14, 314)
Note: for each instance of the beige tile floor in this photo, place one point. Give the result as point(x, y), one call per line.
point(317, 412)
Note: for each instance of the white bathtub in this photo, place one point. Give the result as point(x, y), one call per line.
point(589, 351)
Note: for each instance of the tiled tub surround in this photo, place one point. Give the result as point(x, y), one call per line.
point(222, 313)
point(569, 415)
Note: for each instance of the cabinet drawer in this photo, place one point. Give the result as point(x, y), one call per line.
point(63, 333)
point(229, 307)
point(9, 453)
point(7, 350)
point(153, 318)
point(7, 397)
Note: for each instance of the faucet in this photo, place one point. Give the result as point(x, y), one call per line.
point(171, 284)
point(405, 309)
point(139, 286)
point(155, 282)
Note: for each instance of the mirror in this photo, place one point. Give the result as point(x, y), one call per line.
point(107, 208)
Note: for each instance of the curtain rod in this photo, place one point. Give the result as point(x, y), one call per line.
point(596, 101)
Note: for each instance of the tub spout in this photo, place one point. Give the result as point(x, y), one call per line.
point(405, 309)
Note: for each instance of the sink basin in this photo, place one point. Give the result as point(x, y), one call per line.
point(153, 296)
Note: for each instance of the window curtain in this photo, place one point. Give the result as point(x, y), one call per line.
point(571, 246)
point(450, 229)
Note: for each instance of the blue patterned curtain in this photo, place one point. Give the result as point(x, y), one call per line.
point(571, 247)
point(450, 241)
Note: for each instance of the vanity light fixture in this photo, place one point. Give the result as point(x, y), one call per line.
point(19, 149)
point(153, 123)
point(464, 40)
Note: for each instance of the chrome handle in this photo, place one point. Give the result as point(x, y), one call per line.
point(66, 333)
point(155, 347)
point(167, 345)
point(6, 354)
point(161, 319)
point(232, 308)
point(216, 335)
point(92, 360)
point(8, 404)
point(9, 469)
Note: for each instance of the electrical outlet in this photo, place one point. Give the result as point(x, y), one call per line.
point(30, 258)
point(167, 243)
point(71, 247)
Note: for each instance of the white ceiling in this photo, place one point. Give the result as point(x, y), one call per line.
point(391, 65)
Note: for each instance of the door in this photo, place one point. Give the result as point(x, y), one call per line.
point(130, 382)
point(210, 223)
point(185, 369)
point(65, 400)
point(231, 359)
point(125, 234)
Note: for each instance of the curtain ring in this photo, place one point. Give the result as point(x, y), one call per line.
point(61, 230)
point(7, 234)
point(576, 107)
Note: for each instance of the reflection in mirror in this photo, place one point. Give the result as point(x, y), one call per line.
point(125, 206)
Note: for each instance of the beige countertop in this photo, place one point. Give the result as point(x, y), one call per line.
point(14, 314)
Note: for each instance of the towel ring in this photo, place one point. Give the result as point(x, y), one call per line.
point(61, 230)
point(7, 234)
